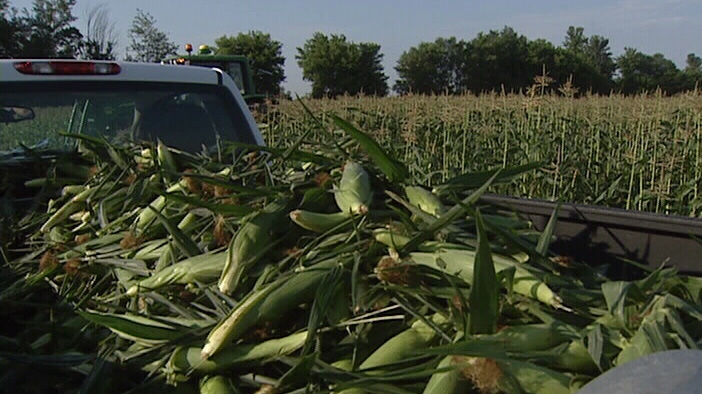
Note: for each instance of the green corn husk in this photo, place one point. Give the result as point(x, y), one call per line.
point(266, 304)
point(187, 360)
point(528, 337)
point(318, 222)
point(242, 317)
point(398, 348)
point(151, 250)
point(75, 204)
point(402, 345)
point(460, 262)
point(148, 214)
point(512, 376)
point(573, 357)
point(533, 378)
point(424, 200)
point(447, 382)
point(354, 194)
point(203, 268)
point(251, 242)
point(165, 158)
point(217, 385)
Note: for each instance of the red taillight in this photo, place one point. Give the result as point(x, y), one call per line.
point(67, 68)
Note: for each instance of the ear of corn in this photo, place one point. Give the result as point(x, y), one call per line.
point(241, 318)
point(148, 214)
point(188, 359)
point(460, 262)
point(251, 242)
point(447, 381)
point(165, 158)
point(354, 194)
point(217, 384)
point(265, 304)
point(425, 200)
point(74, 205)
point(402, 345)
point(203, 268)
point(574, 357)
point(318, 222)
point(533, 378)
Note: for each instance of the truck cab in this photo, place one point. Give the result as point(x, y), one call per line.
point(43, 101)
point(236, 66)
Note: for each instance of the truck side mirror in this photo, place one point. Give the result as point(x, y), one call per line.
point(16, 114)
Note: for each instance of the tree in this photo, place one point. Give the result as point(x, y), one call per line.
point(575, 39)
point(593, 50)
point(100, 37)
point(432, 67)
point(599, 53)
point(265, 55)
point(9, 30)
point(336, 66)
point(692, 74)
point(693, 63)
point(646, 73)
point(497, 60)
point(147, 42)
point(48, 31)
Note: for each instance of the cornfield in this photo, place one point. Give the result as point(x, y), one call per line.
point(634, 152)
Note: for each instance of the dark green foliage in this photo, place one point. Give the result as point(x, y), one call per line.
point(432, 67)
point(265, 54)
point(641, 73)
point(336, 66)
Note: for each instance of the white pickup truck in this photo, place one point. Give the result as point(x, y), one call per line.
point(189, 108)
point(41, 100)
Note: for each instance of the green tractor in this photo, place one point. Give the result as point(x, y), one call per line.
point(238, 67)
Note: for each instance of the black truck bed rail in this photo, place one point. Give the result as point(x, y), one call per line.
point(601, 235)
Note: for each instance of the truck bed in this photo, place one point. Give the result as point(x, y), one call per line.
point(601, 235)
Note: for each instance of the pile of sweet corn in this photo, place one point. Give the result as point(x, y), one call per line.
point(266, 270)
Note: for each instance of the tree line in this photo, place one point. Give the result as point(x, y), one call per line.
point(498, 60)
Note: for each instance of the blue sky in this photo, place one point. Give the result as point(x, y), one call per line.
point(671, 27)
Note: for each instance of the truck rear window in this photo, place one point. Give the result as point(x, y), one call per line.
point(191, 117)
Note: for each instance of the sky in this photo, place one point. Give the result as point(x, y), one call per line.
point(670, 27)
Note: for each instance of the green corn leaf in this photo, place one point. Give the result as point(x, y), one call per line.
point(447, 218)
point(615, 296)
point(132, 326)
point(595, 346)
point(391, 167)
point(483, 293)
point(547, 234)
point(475, 179)
point(224, 209)
point(182, 241)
